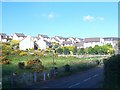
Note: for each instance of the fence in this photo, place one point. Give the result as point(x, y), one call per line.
point(25, 79)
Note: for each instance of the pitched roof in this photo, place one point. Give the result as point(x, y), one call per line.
point(73, 38)
point(55, 39)
point(60, 37)
point(44, 36)
point(35, 37)
point(80, 39)
point(67, 42)
point(3, 35)
point(91, 40)
point(110, 38)
point(20, 34)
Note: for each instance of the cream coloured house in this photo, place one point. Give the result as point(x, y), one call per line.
point(18, 36)
point(26, 43)
point(91, 42)
point(3, 37)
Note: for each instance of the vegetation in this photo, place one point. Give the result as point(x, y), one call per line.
point(105, 49)
point(112, 73)
point(17, 61)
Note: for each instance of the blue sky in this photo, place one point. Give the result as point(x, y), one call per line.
point(78, 19)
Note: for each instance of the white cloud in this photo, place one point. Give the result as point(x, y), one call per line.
point(88, 18)
point(50, 15)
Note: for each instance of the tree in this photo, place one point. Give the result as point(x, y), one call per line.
point(81, 51)
point(73, 49)
point(86, 50)
point(60, 50)
point(90, 50)
point(66, 51)
point(96, 49)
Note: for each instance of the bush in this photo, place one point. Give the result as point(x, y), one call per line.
point(35, 64)
point(23, 53)
point(4, 60)
point(21, 65)
point(112, 73)
point(29, 64)
point(60, 50)
point(67, 68)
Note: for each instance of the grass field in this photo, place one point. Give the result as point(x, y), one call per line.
point(47, 62)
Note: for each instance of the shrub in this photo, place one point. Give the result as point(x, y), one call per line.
point(35, 64)
point(67, 68)
point(60, 50)
point(21, 65)
point(112, 73)
point(4, 60)
point(29, 64)
point(23, 53)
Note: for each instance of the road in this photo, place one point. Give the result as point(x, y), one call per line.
point(87, 79)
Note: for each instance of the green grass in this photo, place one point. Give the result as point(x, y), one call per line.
point(76, 64)
point(47, 62)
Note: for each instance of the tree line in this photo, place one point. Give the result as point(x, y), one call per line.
point(105, 49)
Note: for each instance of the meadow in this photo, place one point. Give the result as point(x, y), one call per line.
point(47, 62)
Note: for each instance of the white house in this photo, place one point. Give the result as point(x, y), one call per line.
point(67, 43)
point(111, 40)
point(26, 43)
point(79, 39)
point(93, 41)
point(71, 39)
point(79, 45)
point(53, 39)
point(18, 36)
point(44, 37)
point(35, 38)
point(61, 39)
point(3, 37)
point(43, 44)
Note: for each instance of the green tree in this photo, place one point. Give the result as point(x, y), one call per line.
point(66, 51)
point(96, 49)
point(60, 50)
point(91, 50)
point(81, 51)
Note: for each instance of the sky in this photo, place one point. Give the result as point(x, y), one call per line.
point(67, 19)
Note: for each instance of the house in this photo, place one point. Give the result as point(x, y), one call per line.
point(67, 43)
point(26, 43)
point(71, 39)
point(93, 41)
point(44, 37)
point(3, 37)
point(18, 36)
point(35, 38)
point(54, 40)
point(111, 40)
point(61, 39)
point(79, 39)
point(79, 45)
point(43, 44)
